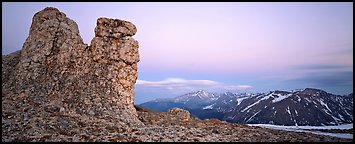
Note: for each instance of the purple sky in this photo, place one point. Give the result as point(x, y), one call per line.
point(237, 47)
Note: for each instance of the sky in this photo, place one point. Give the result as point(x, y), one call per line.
point(218, 47)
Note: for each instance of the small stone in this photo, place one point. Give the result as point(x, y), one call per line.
point(51, 108)
point(215, 131)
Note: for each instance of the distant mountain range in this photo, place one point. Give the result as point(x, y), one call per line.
point(298, 107)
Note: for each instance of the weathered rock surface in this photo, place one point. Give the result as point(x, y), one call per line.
point(180, 112)
point(57, 83)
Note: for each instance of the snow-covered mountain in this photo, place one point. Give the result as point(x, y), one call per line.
point(298, 107)
point(196, 99)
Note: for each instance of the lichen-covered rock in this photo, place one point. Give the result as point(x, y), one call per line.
point(56, 83)
point(114, 28)
point(180, 112)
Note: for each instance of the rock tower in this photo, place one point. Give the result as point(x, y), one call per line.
point(57, 81)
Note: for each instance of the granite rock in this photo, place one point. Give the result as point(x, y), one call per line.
point(56, 83)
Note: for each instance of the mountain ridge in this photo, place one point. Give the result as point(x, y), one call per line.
point(256, 108)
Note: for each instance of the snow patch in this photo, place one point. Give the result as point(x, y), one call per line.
point(324, 104)
point(280, 98)
point(294, 120)
point(340, 127)
point(335, 118)
point(253, 116)
point(214, 98)
point(288, 110)
point(308, 100)
point(307, 129)
point(264, 98)
point(208, 107)
point(249, 106)
point(341, 117)
point(340, 102)
point(347, 113)
point(298, 99)
point(239, 100)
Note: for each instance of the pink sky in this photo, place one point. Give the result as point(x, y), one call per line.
point(264, 45)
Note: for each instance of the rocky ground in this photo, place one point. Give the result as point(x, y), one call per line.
point(165, 126)
point(158, 127)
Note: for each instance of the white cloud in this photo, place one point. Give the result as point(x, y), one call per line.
point(172, 81)
point(181, 86)
point(238, 87)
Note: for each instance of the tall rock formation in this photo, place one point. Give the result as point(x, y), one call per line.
point(58, 82)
